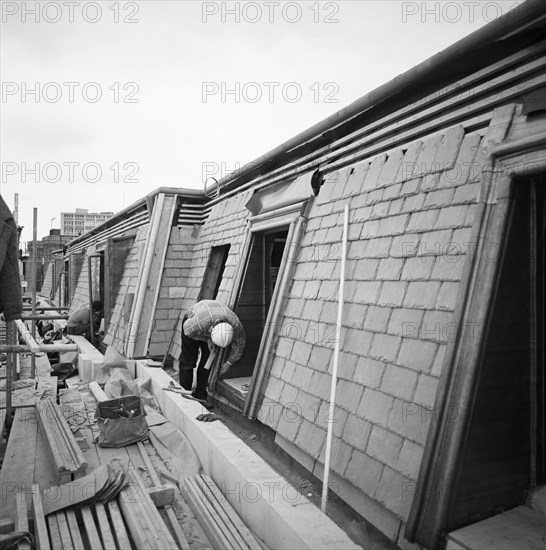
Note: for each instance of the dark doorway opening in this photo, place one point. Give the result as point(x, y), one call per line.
point(503, 456)
point(252, 307)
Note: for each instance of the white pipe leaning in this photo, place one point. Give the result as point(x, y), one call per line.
point(331, 408)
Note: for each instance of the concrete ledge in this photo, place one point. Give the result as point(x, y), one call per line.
point(277, 513)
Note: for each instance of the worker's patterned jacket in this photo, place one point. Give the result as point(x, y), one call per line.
point(204, 315)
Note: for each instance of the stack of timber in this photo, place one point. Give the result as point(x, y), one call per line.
point(63, 447)
point(221, 523)
point(143, 518)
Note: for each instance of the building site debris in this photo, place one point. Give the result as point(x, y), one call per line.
point(63, 447)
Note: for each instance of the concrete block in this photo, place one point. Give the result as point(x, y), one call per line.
point(377, 318)
point(399, 382)
point(409, 459)
point(395, 492)
point(410, 420)
point(392, 293)
point(384, 446)
point(390, 269)
point(356, 432)
point(375, 406)
point(385, 347)
point(368, 372)
point(417, 355)
point(364, 472)
point(426, 391)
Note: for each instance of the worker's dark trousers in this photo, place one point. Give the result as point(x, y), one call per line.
point(188, 361)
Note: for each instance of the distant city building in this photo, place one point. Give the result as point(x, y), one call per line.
point(82, 221)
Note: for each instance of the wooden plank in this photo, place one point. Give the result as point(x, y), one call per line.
point(64, 531)
point(54, 533)
point(21, 518)
point(74, 528)
point(210, 494)
point(40, 527)
point(104, 527)
point(65, 451)
point(135, 517)
point(164, 536)
point(18, 466)
point(214, 528)
point(120, 531)
point(245, 532)
point(181, 539)
point(90, 529)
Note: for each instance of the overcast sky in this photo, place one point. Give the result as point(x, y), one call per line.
point(102, 102)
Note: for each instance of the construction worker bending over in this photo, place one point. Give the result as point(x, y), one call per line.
point(207, 326)
point(79, 322)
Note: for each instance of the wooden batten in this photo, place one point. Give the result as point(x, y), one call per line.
point(64, 449)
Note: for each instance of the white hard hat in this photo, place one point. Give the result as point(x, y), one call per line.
point(222, 334)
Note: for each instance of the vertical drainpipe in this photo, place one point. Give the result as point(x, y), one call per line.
point(143, 282)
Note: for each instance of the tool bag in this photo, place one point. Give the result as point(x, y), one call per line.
point(121, 421)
